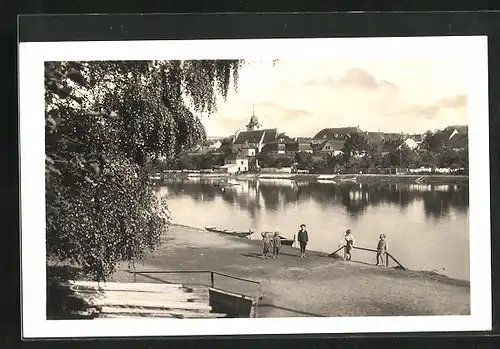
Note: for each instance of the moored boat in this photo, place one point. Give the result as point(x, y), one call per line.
point(240, 234)
point(284, 240)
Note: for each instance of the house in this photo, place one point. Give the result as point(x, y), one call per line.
point(234, 163)
point(451, 131)
point(394, 137)
point(286, 147)
point(339, 133)
point(331, 147)
point(458, 142)
point(303, 144)
point(214, 144)
point(418, 138)
point(275, 147)
point(411, 143)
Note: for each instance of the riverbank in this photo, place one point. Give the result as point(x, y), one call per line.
point(316, 286)
point(432, 179)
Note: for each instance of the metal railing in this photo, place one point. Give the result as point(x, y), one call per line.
point(212, 280)
point(387, 255)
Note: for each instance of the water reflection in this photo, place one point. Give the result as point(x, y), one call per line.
point(275, 194)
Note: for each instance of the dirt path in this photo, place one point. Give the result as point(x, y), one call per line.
point(316, 286)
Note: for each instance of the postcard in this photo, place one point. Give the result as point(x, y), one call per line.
point(270, 186)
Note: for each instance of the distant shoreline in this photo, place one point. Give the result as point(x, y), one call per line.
point(424, 179)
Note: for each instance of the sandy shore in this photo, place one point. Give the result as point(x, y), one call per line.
point(316, 286)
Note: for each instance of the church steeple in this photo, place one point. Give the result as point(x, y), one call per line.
point(254, 121)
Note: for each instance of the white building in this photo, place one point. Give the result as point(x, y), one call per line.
point(235, 163)
point(411, 143)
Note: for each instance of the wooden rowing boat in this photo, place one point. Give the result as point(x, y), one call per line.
point(240, 234)
point(284, 241)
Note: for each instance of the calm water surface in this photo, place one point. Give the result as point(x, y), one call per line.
point(426, 225)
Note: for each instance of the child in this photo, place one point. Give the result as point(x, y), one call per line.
point(265, 246)
point(348, 241)
point(303, 239)
point(381, 249)
point(276, 246)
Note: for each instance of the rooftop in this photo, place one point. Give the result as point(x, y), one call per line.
point(255, 136)
point(335, 145)
point(458, 141)
point(329, 133)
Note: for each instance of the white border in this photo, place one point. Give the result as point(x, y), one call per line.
point(31, 70)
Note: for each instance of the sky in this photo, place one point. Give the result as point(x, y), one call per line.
point(302, 97)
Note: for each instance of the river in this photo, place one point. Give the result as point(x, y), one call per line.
point(426, 225)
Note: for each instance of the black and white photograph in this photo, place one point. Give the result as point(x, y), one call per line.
point(255, 186)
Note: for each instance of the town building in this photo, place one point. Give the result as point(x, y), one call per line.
point(339, 133)
point(254, 138)
point(214, 144)
point(235, 163)
point(452, 131)
point(411, 143)
point(329, 147)
point(303, 144)
point(458, 142)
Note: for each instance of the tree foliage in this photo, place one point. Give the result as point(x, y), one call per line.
point(354, 145)
point(104, 120)
point(266, 160)
point(434, 142)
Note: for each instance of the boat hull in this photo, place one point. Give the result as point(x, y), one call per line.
point(287, 242)
point(228, 232)
point(284, 241)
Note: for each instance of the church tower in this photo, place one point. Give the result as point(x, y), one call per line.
point(254, 124)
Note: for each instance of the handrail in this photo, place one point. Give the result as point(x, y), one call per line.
point(337, 250)
point(395, 260)
point(212, 279)
point(387, 255)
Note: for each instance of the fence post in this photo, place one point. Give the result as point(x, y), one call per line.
point(212, 283)
point(256, 309)
point(386, 259)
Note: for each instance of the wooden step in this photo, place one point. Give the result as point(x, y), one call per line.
point(204, 316)
point(125, 286)
point(123, 316)
point(159, 313)
point(140, 295)
point(151, 304)
point(120, 298)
